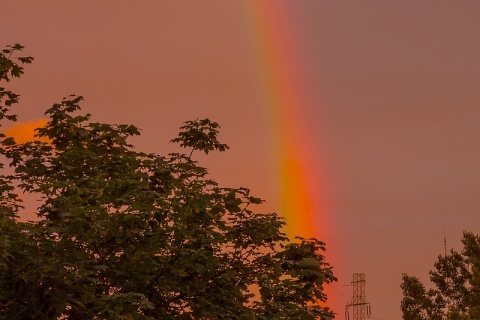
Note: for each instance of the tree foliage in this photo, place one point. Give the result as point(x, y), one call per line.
point(457, 281)
point(130, 235)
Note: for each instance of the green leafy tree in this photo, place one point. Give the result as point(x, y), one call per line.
point(457, 281)
point(130, 235)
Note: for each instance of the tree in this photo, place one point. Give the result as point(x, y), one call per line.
point(129, 235)
point(457, 280)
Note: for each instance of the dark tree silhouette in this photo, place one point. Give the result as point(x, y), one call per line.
point(129, 235)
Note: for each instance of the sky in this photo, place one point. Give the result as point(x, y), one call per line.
point(365, 114)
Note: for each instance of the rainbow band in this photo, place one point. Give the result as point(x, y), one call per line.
point(284, 95)
point(284, 91)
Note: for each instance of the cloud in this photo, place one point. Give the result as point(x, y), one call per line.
point(25, 131)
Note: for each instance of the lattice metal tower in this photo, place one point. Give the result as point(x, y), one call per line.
point(359, 304)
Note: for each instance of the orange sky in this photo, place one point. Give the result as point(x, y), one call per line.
point(25, 131)
point(393, 109)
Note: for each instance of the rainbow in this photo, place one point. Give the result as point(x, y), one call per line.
point(284, 91)
point(285, 95)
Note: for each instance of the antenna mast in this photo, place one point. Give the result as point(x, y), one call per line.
point(444, 237)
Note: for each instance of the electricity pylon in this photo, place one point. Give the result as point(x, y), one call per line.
point(359, 303)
